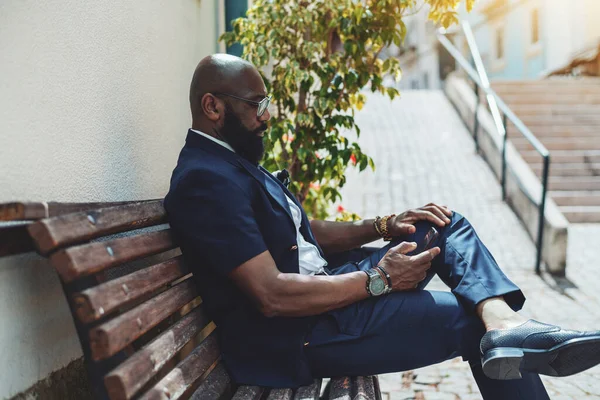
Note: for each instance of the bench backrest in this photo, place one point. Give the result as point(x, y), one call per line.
point(141, 325)
point(138, 315)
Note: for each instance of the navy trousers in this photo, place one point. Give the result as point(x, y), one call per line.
point(407, 330)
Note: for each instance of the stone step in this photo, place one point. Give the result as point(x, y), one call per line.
point(533, 121)
point(574, 183)
point(547, 90)
point(581, 214)
point(576, 198)
point(568, 169)
point(532, 98)
point(556, 109)
point(554, 81)
point(546, 87)
point(559, 143)
point(562, 156)
point(582, 131)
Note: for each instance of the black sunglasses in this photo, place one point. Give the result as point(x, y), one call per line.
point(261, 105)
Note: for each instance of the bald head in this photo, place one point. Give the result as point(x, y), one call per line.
point(225, 96)
point(218, 73)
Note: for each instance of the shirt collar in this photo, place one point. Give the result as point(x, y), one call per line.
point(214, 139)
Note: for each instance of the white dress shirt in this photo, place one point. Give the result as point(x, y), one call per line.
point(309, 258)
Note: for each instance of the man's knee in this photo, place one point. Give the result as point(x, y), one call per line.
point(457, 217)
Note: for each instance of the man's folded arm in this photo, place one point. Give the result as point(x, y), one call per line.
point(278, 294)
point(335, 237)
point(216, 218)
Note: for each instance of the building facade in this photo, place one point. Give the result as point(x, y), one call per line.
point(528, 39)
point(419, 54)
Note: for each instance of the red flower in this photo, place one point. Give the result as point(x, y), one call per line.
point(353, 159)
point(315, 186)
point(341, 209)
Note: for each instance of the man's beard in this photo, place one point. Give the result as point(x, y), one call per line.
point(245, 142)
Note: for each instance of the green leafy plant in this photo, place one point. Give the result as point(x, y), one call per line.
point(322, 55)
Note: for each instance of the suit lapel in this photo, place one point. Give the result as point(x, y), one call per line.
point(272, 188)
point(305, 229)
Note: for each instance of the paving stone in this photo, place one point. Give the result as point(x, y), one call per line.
point(427, 378)
point(423, 154)
point(405, 394)
point(430, 395)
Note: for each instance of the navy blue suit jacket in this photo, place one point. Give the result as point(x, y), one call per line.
point(225, 211)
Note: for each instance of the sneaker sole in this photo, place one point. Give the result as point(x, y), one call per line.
point(568, 358)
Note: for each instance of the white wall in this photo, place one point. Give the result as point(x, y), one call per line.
point(558, 32)
point(93, 107)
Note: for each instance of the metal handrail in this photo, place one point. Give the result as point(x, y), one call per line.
point(496, 104)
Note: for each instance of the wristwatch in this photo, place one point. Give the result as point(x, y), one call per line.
point(376, 285)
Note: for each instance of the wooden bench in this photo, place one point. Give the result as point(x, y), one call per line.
point(137, 313)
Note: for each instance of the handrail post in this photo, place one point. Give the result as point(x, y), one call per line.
point(542, 214)
point(504, 140)
point(476, 121)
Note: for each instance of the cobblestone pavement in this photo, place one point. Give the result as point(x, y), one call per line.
point(423, 153)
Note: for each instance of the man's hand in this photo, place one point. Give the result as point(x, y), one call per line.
point(402, 224)
point(407, 271)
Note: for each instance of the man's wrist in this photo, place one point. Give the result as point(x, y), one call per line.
point(376, 223)
point(378, 282)
point(382, 225)
point(384, 274)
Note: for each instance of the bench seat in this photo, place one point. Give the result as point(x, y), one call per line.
point(142, 326)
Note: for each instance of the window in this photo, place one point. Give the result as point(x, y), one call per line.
point(535, 26)
point(500, 43)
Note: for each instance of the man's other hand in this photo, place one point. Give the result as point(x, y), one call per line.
point(406, 271)
point(403, 224)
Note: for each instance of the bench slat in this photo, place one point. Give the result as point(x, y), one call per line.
point(128, 378)
point(216, 384)
point(187, 372)
point(340, 388)
point(376, 387)
point(32, 210)
point(114, 335)
point(363, 387)
point(281, 394)
point(310, 392)
point(15, 239)
point(52, 233)
point(79, 261)
point(356, 388)
point(22, 210)
point(95, 302)
point(248, 393)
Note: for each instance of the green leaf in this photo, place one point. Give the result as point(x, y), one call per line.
point(372, 164)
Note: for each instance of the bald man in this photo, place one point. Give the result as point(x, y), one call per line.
point(296, 299)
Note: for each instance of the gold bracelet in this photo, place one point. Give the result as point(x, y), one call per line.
point(376, 225)
point(383, 227)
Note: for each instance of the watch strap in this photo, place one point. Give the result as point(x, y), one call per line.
point(388, 278)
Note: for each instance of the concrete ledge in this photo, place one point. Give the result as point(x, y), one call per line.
point(68, 383)
point(523, 188)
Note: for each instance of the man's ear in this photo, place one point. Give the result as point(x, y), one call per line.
point(211, 106)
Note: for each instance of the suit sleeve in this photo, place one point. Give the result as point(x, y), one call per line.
point(215, 219)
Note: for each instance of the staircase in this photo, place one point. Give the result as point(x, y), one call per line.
point(564, 114)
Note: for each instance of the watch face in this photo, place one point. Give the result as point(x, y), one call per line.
point(376, 286)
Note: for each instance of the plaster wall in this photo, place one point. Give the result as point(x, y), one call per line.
point(93, 107)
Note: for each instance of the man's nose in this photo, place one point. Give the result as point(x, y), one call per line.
point(265, 117)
